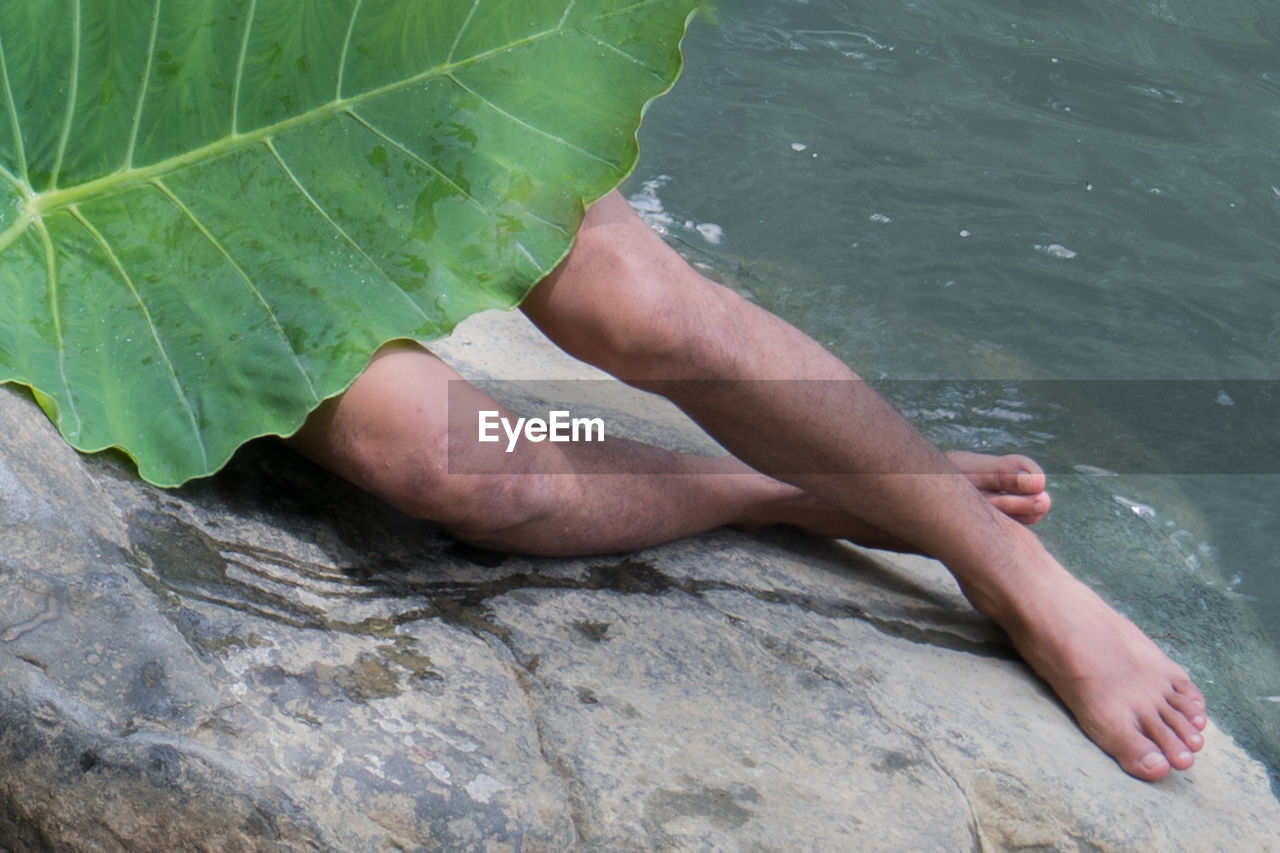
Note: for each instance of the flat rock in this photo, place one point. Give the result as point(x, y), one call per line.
point(270, 660)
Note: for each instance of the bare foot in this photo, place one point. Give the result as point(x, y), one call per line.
point(1013, 484)
point(1129, 698)
point(1134, 702)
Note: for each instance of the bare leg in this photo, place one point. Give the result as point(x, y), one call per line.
point(624, 301)
point(389, 434)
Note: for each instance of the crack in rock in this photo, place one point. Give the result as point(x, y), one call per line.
point(464, 604)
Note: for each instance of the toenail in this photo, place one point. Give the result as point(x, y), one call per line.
point(1185, 755)
point(1197, 740)
point(1154, 761)
point(1198, 721)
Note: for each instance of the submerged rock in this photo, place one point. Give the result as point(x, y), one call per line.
point(270, 660)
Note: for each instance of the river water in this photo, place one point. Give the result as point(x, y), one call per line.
point(1071, 213)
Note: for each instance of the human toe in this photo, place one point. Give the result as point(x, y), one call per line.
point(1183, 728)
point(1150, 767)
point(1142, 744)
point(1014, 474)
point(1169, 740)
point(1138, 755)
point(1189, 709)
point(1020, 475)
point(1027, 509)
point(1123, 736)
point(1184, 687)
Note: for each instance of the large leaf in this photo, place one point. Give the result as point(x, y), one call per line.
point(213, 211)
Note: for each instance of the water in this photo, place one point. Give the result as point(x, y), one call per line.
point(1080, 193)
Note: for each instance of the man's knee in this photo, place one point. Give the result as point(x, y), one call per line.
point(644, 324)
point(387, 435)
point(628, 304)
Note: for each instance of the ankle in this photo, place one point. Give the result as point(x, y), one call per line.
point(1010, 588)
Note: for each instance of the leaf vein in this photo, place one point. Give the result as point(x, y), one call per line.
point(142, 89)
point(19, 146)
point(409, 152)
point(524, 250)
point(457, 39)
point(311, 199)
point(52, 200)
point(346, 47)
point(72, 90)
point(521, 122)
point(568, 9)
point(151, 327)
point(436, 170)
point(253, 288)
point(12, 178)
point(239, 80)
point(555, 226)
point(613, 47)
point(55, 314)
point(622, 10)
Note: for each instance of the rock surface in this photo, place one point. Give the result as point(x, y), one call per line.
point(269, 660)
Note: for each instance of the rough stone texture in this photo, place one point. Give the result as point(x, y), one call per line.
point(269, 660)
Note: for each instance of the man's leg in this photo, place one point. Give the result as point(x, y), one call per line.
point(627, 303)
point(390, 434)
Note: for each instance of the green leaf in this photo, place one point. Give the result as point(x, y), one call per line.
point(213, 211)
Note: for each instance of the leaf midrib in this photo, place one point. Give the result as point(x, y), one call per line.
point(37, 205)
